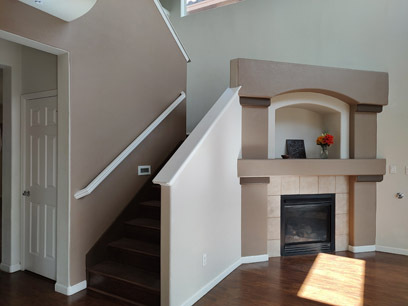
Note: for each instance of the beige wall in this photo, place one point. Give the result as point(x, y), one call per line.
point(39, 70)
point(125, 69)
point(364, 34)
point(202, 205)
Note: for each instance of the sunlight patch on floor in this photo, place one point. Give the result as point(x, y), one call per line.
point(335, 280)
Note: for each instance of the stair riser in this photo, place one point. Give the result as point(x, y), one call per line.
point(152, 194)
point(150, 212)
point(142, 233)
point(146, 262)
point(123, 289)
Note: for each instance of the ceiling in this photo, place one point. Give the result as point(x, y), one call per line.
point(67, 10)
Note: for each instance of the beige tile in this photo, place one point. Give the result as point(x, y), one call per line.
point(290, 185)
point(342, 242)
point(327, 184)
point(309, 184)
point(274, 248)
point(274, 187)
point(342, 226)
point(342, 203)
point(342, 184)
point(274, 206)
point(273, 228)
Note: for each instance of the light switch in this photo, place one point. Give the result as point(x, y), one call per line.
point(393, 169)
point(406, 170)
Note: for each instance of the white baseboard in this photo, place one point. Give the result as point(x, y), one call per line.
point(386, 249)
point(361, 249)
point(10, 269)
point(70, 290)
point(204, 290)
point(254, 259)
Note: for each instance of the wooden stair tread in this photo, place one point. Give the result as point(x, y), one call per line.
point(129, 274)
point(114, 296)
point(145, 222)
point(138, 246)
point(151, 203)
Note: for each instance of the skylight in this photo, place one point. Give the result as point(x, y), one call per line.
point(192, 6)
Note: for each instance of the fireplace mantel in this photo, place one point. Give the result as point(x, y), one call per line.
point(306, 167)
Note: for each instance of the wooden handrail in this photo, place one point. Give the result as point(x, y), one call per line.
point(125, 153)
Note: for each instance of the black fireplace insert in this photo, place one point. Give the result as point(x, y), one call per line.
point(307, 224)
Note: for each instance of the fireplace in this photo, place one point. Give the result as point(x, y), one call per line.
point(307, 224)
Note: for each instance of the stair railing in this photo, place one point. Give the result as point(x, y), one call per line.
point(126, 152)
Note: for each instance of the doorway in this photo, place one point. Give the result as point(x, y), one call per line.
point(24, 73)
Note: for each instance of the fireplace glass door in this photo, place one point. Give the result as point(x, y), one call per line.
point(307, 224)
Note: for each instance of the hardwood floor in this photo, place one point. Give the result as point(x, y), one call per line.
point(29, 289)
point(345, 279)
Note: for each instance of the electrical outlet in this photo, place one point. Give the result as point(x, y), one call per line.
point(204, 260)
point(393, 169)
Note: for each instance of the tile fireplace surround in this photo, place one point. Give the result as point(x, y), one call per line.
point(353, 178)
point(286, 185)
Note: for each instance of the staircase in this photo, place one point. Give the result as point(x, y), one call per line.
point(127, 257)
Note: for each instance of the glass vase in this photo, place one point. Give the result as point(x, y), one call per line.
point(324, 153)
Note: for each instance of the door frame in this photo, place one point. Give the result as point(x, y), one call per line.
point(11, 250)
point(23, 152)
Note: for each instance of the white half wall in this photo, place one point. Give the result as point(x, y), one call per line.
point(201, 205)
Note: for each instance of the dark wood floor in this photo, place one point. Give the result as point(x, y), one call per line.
point(345, 279)
point(29, 289)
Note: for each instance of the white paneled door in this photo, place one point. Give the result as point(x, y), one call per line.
point(40, 186)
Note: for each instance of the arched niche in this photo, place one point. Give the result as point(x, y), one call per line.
point(305, 115)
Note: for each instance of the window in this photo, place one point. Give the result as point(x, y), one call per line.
point(192, 6)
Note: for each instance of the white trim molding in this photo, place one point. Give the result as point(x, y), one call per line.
point(381, 248)
point(10, 269)
point(254, 259)
point(362, 249)
point(125, 153)
point(70, 290)
point(214, 282)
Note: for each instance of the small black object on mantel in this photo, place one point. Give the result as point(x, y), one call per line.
point(295, 148)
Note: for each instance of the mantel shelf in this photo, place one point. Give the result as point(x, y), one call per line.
point(272, 167)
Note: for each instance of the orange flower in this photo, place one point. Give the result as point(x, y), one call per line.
point(325, 140)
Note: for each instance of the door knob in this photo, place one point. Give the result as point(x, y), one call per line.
point(26, 193)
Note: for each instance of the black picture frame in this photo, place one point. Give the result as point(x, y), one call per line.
point(295, 148)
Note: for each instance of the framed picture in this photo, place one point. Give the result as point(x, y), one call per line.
point(295, 148)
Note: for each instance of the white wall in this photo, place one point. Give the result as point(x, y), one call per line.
point(201, 210)
point(297, 123)
point(10, 61)
point(357, 34)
